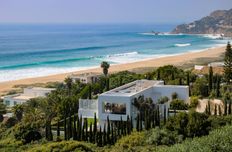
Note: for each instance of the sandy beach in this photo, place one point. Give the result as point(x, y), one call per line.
point(177, 60)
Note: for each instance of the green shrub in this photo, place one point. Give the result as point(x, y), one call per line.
point(218, 140)
point(10, 122)
point(130, 142)
point(64, 146)
point(194, 100)
point(178, 104)
point(162, 137)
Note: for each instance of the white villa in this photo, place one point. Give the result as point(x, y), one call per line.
point(118, 102)
point(86, 77)
point(28, 93)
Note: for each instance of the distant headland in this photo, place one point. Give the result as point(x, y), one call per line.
point(218, 22)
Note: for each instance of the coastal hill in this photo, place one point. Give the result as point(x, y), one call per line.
point(218, 22)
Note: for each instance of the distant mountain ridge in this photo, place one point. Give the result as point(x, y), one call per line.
point(218, 22)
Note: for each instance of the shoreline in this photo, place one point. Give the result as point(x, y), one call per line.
point(177, 60)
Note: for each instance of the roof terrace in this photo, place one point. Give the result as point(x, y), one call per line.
point(133, 87)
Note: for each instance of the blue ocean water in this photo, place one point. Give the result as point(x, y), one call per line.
point(38, 50)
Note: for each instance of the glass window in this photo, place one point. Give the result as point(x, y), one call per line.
point(114, 108)
point(7, 102)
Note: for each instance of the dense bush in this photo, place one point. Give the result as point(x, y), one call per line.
point(10, 122)
point(200, 87)
point(64, 146)
point(189, 125)
point(194, 100)
point(162, 137)
point(178, 104)
point(26, 133)
point(218, 140)
point(129, 143)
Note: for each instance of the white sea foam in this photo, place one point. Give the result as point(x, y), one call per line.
point(182, 44)
point(10, 75)
point(212, 36)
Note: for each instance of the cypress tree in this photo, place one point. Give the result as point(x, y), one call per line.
point(158, 74)
point(140, 122)
point(99, 143)
point(95, 127)
point(215, 110)
point(80, 128)
point(118, 127)
point(83, 131)
point(86, 129)
point(188, 82)
point(206, 110)
point(137, 122)
point(58, 129)
point(225, 107)
point(107, 84)
point(91, 133)
point(228, 64)
point(158, 117)
point(218, 86)
point(65, 128)
point(219, 110)
point(209, 108)
point(104, 136)
point(90, 92)
point(229, 108)
point(173, 75)
point(164, 114)
point(112, 134)
point(180, 81)
point(108, 130)
point(131, 124)
point(210, 79)
point(153, 119)
point(74, 128)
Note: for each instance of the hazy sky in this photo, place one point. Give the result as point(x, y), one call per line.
point(107, 11)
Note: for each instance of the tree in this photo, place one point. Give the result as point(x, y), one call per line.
point(18, 112)
point(69, 84)
point(2, 111)
point(105, 66)
point(218, 85)
point(215, 109)
point(178, 104)
point(210, 79)
point(90, 92)
point(200, 87)
point(228, 64)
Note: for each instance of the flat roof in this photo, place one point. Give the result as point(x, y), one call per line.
point(89, 74)
point(40, 88)
point(133, 87)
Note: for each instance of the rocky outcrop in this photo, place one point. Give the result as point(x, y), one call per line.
point(218, 22)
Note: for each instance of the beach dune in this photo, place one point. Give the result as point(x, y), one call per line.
point(177, 60)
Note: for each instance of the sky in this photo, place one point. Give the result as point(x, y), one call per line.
point(107, 11)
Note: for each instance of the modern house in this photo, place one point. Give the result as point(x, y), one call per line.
point(28, 93)
point(118, 102)
point(86, 77)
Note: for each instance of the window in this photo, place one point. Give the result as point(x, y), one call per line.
point(7, 102)
point(114, 108)
point(15, 103)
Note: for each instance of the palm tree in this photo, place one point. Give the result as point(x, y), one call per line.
point(105, 66)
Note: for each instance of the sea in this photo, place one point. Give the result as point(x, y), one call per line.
point(34, 50)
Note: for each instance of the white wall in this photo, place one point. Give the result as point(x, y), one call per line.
point(12, 101)
point(168, 90)
point(36, 92)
